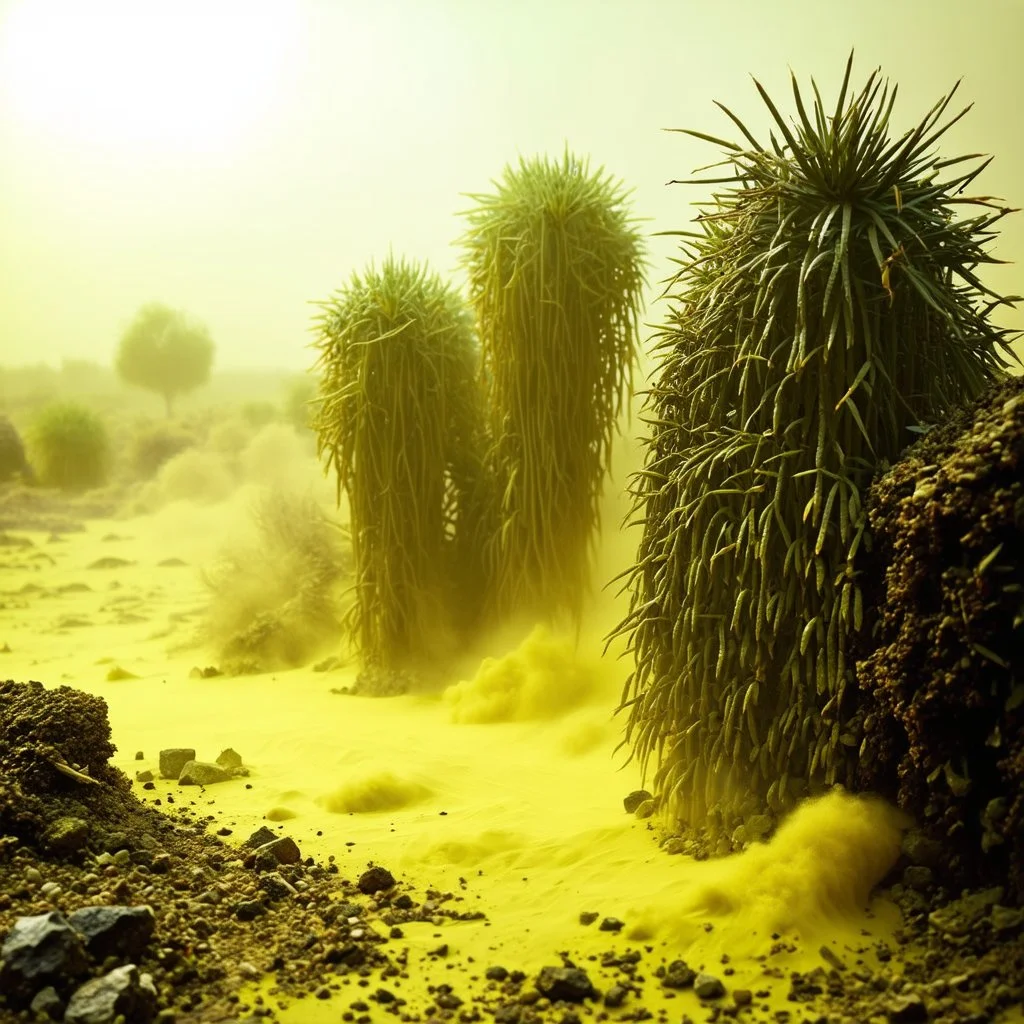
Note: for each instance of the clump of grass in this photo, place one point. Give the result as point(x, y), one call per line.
point(555, 266)
point(279, 602)
point(70, 447)
point(827, 306)
point(398, 421)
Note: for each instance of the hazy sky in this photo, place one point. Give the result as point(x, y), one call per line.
point(241, 159)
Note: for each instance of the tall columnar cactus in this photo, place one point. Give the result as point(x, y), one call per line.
point(827, 305)
point(555, 266)
point(399, 422)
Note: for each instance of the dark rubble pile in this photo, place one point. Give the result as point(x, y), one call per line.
point(942, 682)
point(109, 908)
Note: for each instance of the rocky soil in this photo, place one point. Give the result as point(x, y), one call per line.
point(111, 910)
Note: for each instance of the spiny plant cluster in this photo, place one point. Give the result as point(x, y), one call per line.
point(827, 305)
point(471, 440)
point(555, 275)
point(397, 424)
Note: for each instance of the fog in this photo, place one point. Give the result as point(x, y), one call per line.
point(240, 160)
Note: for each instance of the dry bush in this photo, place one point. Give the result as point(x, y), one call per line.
point(278, 602)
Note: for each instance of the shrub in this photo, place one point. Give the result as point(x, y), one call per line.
point(70, 447)
point(398, 423)
point(828, 303)
point(555, 269)
point(277, 603)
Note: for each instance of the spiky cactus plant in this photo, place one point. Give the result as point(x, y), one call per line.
point(827, 306)
point(555, 265)
point(398, 420)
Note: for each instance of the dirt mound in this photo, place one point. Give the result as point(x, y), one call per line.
point(942, 683)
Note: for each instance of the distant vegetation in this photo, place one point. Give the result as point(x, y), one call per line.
point(165, 351)
point(70, 447)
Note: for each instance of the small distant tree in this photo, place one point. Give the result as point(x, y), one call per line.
point(166, 351)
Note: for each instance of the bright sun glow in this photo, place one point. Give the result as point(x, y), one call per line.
point(146, 76)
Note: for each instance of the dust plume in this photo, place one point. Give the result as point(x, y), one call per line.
point(546, 676)
point(374, 791)
point(819, 867)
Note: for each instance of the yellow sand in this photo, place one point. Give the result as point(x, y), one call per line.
point(506, 785)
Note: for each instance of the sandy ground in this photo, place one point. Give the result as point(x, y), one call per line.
point(522, 818)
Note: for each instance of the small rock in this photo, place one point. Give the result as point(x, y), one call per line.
point(742, 996)
point(39, 949)
point(66, 835)
point(564, 984)
point(906, 1009)
point(260, 837)
point(249, 910)
point(281, 850)
point(139, 755)
point(921, 850)
point(588, 917)
point(119, 931)
point(1006, 919)
point(376, 879)
point(635, 799)
point(919, 877)
point(831, 958)
point(48, 1004)
point(707, 986)
point(645, 810)
point(174, 759)
point(611, 924)
point(122, 992)
point(276, 886)
point(144, 776)
point(202, 773)
point(615, 996)
point(679, 974)
point(229, 759)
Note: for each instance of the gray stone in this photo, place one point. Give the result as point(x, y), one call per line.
point(174, 759)
point(48, 1004)
point(707, 986)
point(202, 773)
point(376, 879)
point(260, 837)
point(38, 949)
point(118, 931)
point(123, 992)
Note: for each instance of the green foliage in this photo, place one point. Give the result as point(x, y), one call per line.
point(70, 447)
point(555, 268)
point(941, 679)
point(827, 304)
point(278, 603)
point(165, 351)
point(399, 423)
